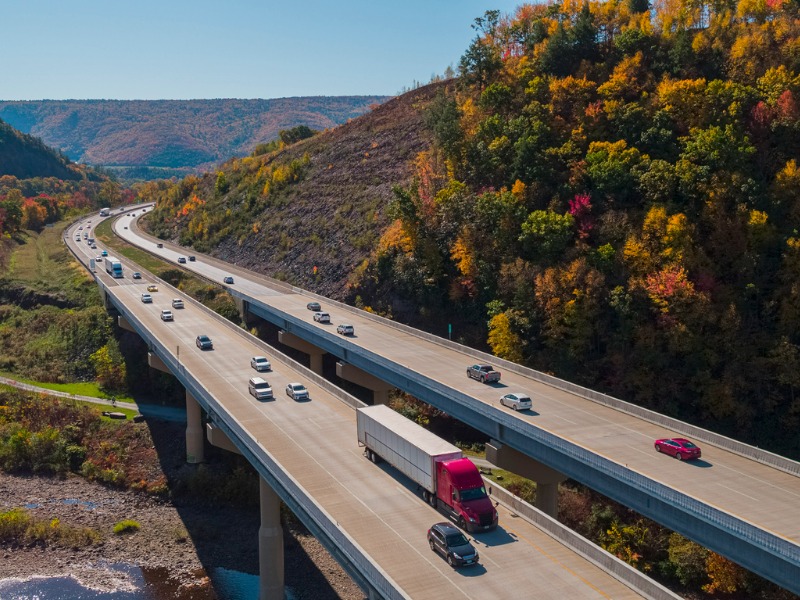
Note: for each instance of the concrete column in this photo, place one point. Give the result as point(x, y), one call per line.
point(270, 545)
point(380, 389)
point(194, 431)
point(156, 363)
point(315, 353)
point(546, 479)
point(124, 324)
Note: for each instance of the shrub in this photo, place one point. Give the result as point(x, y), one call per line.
point(126, 526)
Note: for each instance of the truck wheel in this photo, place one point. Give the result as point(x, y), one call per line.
point(463, 524)
point(432, 500)
point(374, 457)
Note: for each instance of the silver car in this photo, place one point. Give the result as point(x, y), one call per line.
point(297, 391)
point(260, 363)
point(516, 401)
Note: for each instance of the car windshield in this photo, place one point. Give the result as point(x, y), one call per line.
point(203, 338)
point(473, 494)
point(457, 539)
point(261, 386)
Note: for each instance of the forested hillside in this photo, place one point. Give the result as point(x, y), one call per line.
point(614, 189)
point(611, 196)
point(146, 139)
point(25, 156)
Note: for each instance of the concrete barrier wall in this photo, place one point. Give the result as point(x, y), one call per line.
point(609, 563)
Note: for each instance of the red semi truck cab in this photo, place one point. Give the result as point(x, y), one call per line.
point(460, 491)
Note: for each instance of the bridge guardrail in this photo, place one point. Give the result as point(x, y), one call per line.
point(752, 452)
point(605, 560)
point(342, 542)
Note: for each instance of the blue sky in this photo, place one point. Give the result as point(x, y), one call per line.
point(180, 49)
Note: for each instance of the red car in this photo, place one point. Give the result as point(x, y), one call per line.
point(680, 448)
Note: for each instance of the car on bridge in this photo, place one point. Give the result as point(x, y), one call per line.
point(516, 401)
point(159, 245)
point(136, 275)
point(315, 306)
point(147, 298)
point(182, 260)
point(166, 315)
point(192, 258)
point(177, 303)
point(152, 288)
point(297, 391)
point(260, 363)
point(483, 373)
point(228, 279)
point(345, 329)
point(322, 317)
point(204, 342)
point(680, 448)
point(447, 540)
point(259, 388)
point(104, 253)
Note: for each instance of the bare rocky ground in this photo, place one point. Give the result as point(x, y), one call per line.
point(181, 541)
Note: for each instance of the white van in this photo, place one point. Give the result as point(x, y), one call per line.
point(259, 388)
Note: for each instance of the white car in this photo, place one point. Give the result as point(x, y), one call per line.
point(177, 303)
point(516, 401)
point(166, 315)
point(147, 298)
point(260, 363)
point(344, 329)
point(297, 391)
point(322, 317)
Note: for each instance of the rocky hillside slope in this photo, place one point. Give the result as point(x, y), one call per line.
point(310, 213)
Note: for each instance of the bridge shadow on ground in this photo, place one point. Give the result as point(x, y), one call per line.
point(224, 531)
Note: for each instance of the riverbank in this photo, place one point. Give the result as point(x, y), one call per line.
point(185, 539)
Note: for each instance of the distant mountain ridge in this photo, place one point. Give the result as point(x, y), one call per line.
point(157, 138)
point(24, 157)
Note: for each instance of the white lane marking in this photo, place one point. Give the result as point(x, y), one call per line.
point(738, 492)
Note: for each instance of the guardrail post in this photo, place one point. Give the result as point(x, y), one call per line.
point(270, 545)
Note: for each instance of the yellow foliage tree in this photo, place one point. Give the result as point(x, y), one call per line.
point(503, 341)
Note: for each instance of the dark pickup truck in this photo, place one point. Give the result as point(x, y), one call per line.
point(483, 373)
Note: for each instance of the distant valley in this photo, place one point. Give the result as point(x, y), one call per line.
point(147, 139)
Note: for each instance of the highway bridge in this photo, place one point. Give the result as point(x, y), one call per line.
point(739, 501)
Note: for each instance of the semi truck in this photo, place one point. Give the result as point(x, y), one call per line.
point(104, 212)
point(114, 267)
point(449, 481)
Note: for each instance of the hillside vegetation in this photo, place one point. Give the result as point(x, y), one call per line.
point(146, 139)
point(611, 196)
point(309, 212)
point(25, 156)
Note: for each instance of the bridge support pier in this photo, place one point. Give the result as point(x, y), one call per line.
point(315, 353)
point(194, 431)
point(124, 324)
point(270, 545)
point(546, 479)
point(380, 389)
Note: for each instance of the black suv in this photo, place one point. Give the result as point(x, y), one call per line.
point(447, 540)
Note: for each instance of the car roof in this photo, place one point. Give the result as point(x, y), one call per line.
point(259, 358)
point(446, 528)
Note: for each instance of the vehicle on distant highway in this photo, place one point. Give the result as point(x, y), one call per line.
point(166, 315)
point(177, 303)
point(447, 540)
point(147, 298)
point(136, 275)
point(192, 258)
point(483, 373)
point(114, 267)
point(104, 253)
point(152, 288)
point(297, 391)
point(680, 448)
point(322, 317)
point(182, 260)
point(227, 279)
point(516, 401)
point(260, 363)
point(315, 306)
point(204, 342)
point(104, 212)
point(345, 329)
point(159, 245)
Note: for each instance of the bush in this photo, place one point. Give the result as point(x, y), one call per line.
point(126, 526)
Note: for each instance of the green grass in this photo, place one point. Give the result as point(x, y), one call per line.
point(126, 526)
point(33, 261)
point(79, 389)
